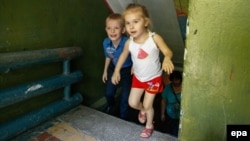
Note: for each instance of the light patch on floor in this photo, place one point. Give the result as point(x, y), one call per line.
point(65, 132)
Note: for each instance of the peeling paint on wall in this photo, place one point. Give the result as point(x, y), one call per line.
point(33, 88)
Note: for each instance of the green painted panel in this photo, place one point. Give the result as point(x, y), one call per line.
point(31, 25)
point(216, 88)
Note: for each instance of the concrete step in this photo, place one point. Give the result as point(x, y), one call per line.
point(86, 124)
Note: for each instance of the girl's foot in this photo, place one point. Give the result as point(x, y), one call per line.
point(146, 132)
point(142, 117)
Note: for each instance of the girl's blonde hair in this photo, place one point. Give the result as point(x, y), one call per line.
point(135, 7)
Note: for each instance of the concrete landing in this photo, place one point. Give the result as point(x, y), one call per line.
point(86, 124)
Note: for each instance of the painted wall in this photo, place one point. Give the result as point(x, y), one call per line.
point(31, 25)
point(181, 7)
point(216, 88)
point(216, 72)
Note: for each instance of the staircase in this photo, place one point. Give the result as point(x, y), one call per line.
point(85, 124)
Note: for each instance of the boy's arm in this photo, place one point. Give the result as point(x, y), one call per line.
point(105, 71)
point(121, 60)
point(167, 64)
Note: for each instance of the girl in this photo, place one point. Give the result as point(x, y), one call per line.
point(144, 47)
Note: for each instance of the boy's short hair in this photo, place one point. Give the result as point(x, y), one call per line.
point(115, 16)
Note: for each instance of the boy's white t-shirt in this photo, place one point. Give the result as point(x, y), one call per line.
point(146, 59)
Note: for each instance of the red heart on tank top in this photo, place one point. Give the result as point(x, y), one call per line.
point(142, 54)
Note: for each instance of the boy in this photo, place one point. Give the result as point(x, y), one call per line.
point(113, 46)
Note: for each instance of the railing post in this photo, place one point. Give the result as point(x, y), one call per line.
point(66, 71)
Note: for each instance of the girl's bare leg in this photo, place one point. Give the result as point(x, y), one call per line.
point(148, 108)
point(135, 98)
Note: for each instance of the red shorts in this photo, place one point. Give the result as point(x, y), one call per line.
point(153, 86)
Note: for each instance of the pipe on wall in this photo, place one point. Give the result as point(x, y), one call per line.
point(19, 93)
point(20, 59)
point(13, 128)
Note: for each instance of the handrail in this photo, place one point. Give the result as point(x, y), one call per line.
point(14, 94)
point(20, 59)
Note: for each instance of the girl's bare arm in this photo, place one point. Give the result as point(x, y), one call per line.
point(167, 64)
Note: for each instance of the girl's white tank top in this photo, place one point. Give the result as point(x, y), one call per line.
point(146, 59)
